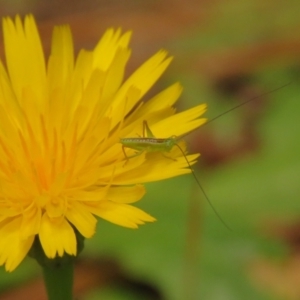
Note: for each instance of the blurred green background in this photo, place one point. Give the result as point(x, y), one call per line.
point(226, 52)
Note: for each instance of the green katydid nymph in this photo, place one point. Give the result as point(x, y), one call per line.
point(149, 143)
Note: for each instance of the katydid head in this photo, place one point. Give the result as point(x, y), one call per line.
point(171, 142)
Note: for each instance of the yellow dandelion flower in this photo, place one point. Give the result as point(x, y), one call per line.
point(61, 120)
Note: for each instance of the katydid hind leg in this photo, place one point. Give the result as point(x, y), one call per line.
point(146, 130)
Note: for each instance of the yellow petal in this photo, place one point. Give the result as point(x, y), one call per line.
point(31, 56)
point(121, 214)
point(61, 60)
point(82, 219)
point(158, 168)
point(13, 249)
point(128, 194)
point(188, 120)
point(142, 79)
point(31, 221)
point(163, 100)
point(57, 237)
point(108, 46)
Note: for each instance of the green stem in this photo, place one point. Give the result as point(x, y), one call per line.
point(58, 271)
point(59, 281)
